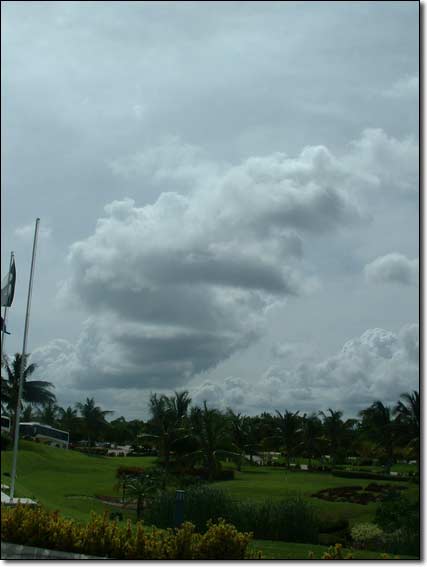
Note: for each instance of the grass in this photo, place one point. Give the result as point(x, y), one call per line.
point(284, 550)
point(269, 482)
point(66, 480)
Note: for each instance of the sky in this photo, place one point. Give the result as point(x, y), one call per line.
point(229, 200)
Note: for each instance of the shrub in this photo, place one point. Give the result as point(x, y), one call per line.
point(333, 552)
point(399, 517)
point(367, 536)
point(103, 538)
point(201, 504)
point(222, 541)
point(291, 519)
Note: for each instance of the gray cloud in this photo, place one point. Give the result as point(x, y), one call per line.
point(407, 87)
point(163, 103)
point(176, 287)
point(377, 365)
point(392, 268)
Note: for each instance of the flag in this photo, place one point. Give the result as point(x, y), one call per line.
point(8, 286)
point(3, 326)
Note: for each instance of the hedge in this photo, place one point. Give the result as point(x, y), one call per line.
point(104, 538)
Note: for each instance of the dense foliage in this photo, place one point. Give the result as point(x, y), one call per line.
point(101, 537)
point(289, 519)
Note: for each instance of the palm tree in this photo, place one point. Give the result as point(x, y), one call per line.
point(338, 433)
point(49, 414)
point(311, 433)
point(378, 425)
point(167, 425)
point(408, 422)
point(210, 432)
point(28, 413)
point(144, 487)
point(68, 421)
point(34, 392)
point(93, 419)
point(239, 434)
point(288, 429)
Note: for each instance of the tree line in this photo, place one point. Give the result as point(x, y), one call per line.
point(186, 436)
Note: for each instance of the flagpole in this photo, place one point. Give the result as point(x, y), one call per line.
point(5, 311)
point(22, 365)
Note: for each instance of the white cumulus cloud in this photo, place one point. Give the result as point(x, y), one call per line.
point(378, 365)
point(393, 268)
point(172, 289)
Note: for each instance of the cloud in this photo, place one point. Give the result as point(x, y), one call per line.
point(378, 365)
point(26, 232)
point(392, 268)
point(173, 288)
point(386, 164)
point(406, 87)
point(169, 160)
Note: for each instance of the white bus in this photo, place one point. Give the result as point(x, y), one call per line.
point(5, 423)
point(44, 434)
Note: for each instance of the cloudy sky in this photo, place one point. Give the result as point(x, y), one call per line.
point(228, 196)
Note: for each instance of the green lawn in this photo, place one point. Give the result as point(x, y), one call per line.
point(64, 480)
point(68, 481)
point(258, 483)
point(283, 550)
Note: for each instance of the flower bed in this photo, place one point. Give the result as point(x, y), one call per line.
point(357, 495)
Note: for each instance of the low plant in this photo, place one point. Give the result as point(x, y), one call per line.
point(367, 536)
point(333, 552)
point(101, 537)
point(290, 519)
point(399, 517)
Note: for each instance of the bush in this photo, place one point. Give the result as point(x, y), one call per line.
point(367, 536)
point(103, 538)
point(201, 504)
point(399, 517)
point(333, 552)
point(291, 519)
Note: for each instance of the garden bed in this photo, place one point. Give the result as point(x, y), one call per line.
point(357, 494)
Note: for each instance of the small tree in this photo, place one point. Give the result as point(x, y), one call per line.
point(144, 487)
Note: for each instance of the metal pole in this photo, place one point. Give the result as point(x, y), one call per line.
point(5, 311)
point(179, 507)
point(22, 365)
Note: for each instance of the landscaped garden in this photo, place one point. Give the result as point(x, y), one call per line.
point(72, 483)
point(328, 481)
